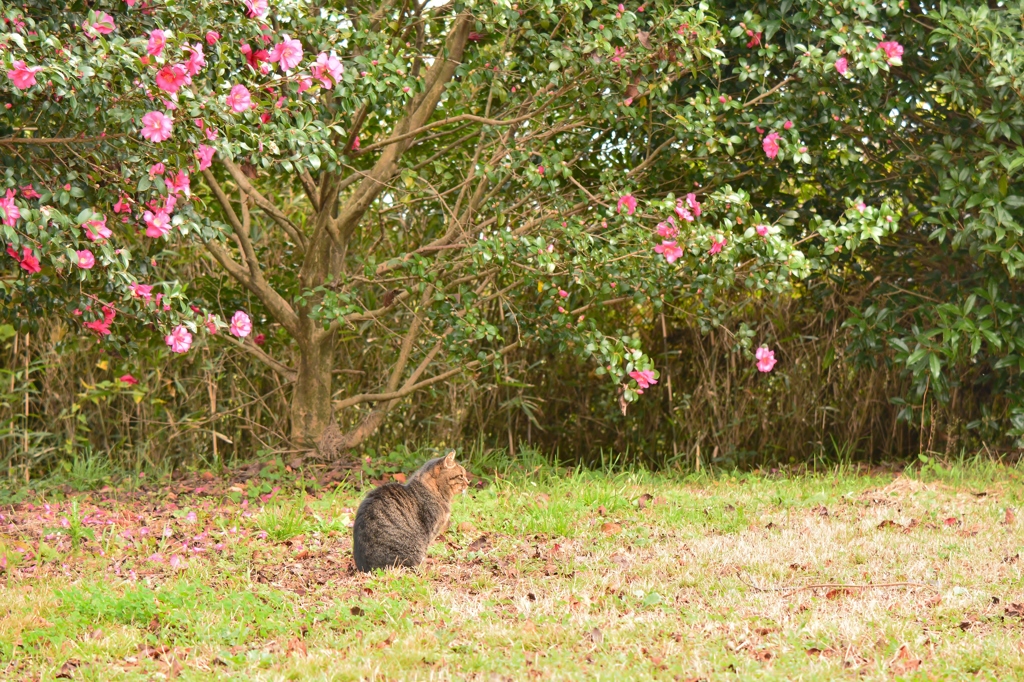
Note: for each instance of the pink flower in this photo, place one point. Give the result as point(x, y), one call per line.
point(861, 206)
point(211, 324)
point(96, 230)
point(11, 211)
point(196, 60)
point(755, 39)
point(670, 250)
point(620, 52)
point(893, 52)
point(179, 340)
point(156, 169)
point(288, 53)
point(239, 100)
point(157, 126)
point(211, 133)
point(667, 229)
point(306, 84)
point(104, 24)
point(157, 41)
point(171, 78)
point(29, 192)
point(762, 230)
point(23, 77)
point(85, 259)
point(102, 327)
point(765, 359)
point(28, 262)
point(842, 66)
point(563, 293)
point(176, 561)
point(716, 245)
point(355, 144)
point(325, 68)
point(771, 145)
point(143, 291)
point(128, 379)
point(691, 201)
point(260, 339)
point(683, 211)
point(204, 155)
point(178, 183)
point(241, 325)
point(644, 379)
point(212, 37)
point(257, 8)
point(629, 202)
point(254, 58)
point(787, 125)
point(157, 224)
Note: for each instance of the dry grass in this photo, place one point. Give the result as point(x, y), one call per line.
point(549, 576)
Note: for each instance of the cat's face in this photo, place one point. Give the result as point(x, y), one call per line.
point(450, 476)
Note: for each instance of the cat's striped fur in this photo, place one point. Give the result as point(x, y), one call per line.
point(396, 522)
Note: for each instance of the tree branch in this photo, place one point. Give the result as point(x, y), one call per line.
point(290, 228)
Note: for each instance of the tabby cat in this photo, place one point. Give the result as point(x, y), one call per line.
point(396, 522)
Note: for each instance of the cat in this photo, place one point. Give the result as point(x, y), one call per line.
point(396, 522)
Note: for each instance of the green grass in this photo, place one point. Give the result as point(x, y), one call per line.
point(576, 579)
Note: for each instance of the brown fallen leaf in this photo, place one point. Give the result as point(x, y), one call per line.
point(1015, 611)
point(836, 593)
point(356, 611)
point(952, 521)
point(969, 532)
point(644, 500)
point(466, 527)
point(611, 528)
point(1009, 518)
point(174, 669)
point(206, 475)
point(904, 661)
point(480, 544)
point(1011, 559)
point(67, 670)
point(888, 523)
point(400, 477)
point(762, 655)
point(596, 636)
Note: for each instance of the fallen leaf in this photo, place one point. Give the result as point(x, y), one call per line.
point(762, 655)
point(644, 500)
point(888, 523)
point(1011, 559)
point(814, 651)
point(904, 662)
point(542, 498)
point(1009, 518)
point(596, 636)
point(1015, 611)
point(645, 38)
point(400, 477)
point(67, 670)
point(952, 521)
point(466, 527)
point(966, 625)
point(611, 528)
point(969, 532)
point(356, 611)
point(820, 510)
point(836, 593)
point(206, 475)
point(601, 511)
point(479, 544)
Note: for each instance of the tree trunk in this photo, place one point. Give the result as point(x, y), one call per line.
point(311, 409)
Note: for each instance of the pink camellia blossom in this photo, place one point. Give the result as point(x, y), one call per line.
point(212, 37)
point(563, 293)
point(204, 155)
point(762, 230)
point(861, 206)
point(11, 211)
point(629, 202)
point(842, 66)
point(157, 126)
point(102, 327)
point(668, 229)
point(179, 340)
point(211, 133)
point(171, 78)
point(29, 192)
point(260, 339)
point(143, 291)
point(128, 379)
point(771, 145)
point(683, 211)
point(716, 245)
point(691, 201)
point(103, 25)
point(156, 169)
point(179, 183)
point(28, 262)
point(123, 205)
point(325, 68)
point(257, 8)
point(196, 59)
point(355, 144)
point(787, 125)
point(893, 52)
point(241, 325)
point(306, 84)
point(239, 100)
point(23, 77)
point(755, 38)
point(644, 379)
point(157, 224)
point(157, 42)
point(211, 323)
point(670, 250)
point(620, 52)
point(765, 359)
point(288, 53)
point(85, 259)
point(96, 230)
point(256, 58)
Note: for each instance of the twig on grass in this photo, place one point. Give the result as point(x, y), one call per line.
point(793, 589)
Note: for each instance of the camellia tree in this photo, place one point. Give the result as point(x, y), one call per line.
point(432, 185)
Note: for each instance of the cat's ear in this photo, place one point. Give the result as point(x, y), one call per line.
point(449, 460)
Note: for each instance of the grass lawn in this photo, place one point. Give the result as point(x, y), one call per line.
point(545, 574)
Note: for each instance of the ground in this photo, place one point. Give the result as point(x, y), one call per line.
point(545, 574)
